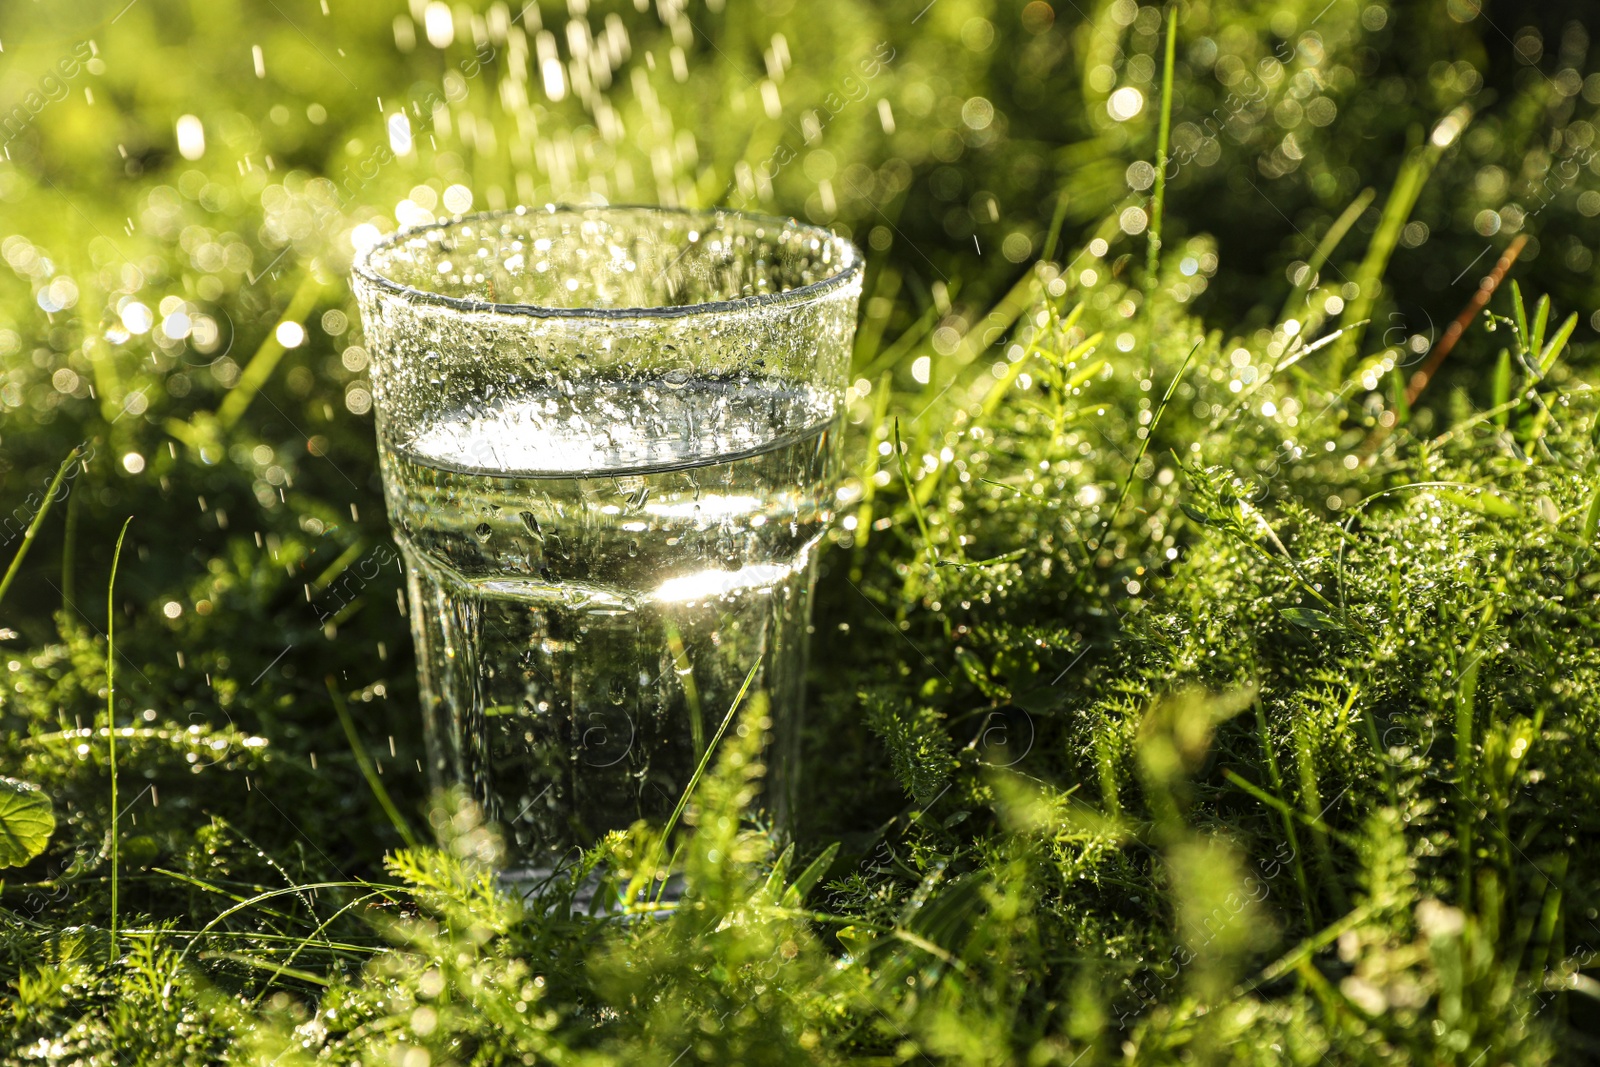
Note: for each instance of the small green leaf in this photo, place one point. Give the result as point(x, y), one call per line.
point(1397, 389)
point(1541, 322)
point(1519, 316)
point(978, 674)
point(1311, 618)
point(857, 940)
point(27, 819)
point(780, 871)
point(1502, 386)
point(809, 877)
point(1195, 514)
point(1552, 351)
point(1591, 518)
point(1485, 503)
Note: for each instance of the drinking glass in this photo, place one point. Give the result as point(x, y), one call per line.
point(609, 440)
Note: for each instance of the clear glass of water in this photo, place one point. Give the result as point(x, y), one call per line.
point(609, 440)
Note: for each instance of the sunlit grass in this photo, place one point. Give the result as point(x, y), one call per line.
point(1204, 665)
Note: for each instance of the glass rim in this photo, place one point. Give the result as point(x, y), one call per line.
point(851, 266)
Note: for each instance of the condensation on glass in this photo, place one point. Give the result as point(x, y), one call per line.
point(610, 441)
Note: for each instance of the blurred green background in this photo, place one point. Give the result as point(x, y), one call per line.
point(183, 186)
point(175, 172)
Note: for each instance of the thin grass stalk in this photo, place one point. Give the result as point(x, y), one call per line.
point(691, 692)
point(1290, 837)
point(1325, 248)
point(1144, 446)
point(1408, 183)
point(38, 520)
point(266, 357)
point(368, 771)
point(1465, 699)
point(265, 895)
point(1469, 314)
point(705, 759)
point(694, 779)
point(1311, 799)
point(1158, 195)
point(111, 718)
point(69, 542)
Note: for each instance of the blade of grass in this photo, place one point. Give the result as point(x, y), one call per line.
point(1402, 408)
point(705, 759)
point(368, 771)
point(1548, 915)
point(912, 498)
point(1502, 386)
point(1591, 517)
point(338, 566)
point(796, 893)
point(69, 542)
point(1056, 219)
point(1324, 249)
point(1275, 775)
point(879, 310)
point(1541, 323)
point(1552, 352)
point(1289, 814)
point(1465, 699)
point(111, 718)
point(1408, 183)
point(271, 894)
point(278, 969)
point(1519, 316)
point(1311, 798)
point(1468, 789)
point(913, 335)
point(306, 941)
point(1158, 195)
point(1307, 948)
point(38, 520)
point(982, 334)
point(1144, 446)
point(266, 357)
point(209, 887)
point(869, 468)
point(691, 692)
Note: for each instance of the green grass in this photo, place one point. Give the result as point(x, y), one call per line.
point(1207, 674)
